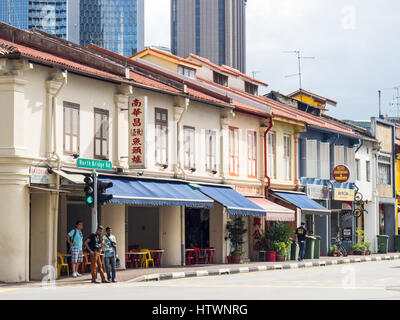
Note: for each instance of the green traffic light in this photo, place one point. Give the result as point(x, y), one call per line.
point(89, 199)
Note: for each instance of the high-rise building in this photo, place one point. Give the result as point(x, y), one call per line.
point(116, 25)
point(213, 29)
point(48, 16)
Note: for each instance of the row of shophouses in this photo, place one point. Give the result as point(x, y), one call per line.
point(200, 146)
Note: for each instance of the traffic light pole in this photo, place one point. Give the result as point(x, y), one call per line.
point(95, 206)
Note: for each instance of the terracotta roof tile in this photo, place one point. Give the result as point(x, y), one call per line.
point(44, 56)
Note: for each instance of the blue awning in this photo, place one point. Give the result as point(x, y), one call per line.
point(155, 193)
point(303, 202)
point(234, 202)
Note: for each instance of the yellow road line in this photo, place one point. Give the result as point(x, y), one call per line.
point(8, 289)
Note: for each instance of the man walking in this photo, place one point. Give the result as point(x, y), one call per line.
point(93, 245)
point(75, 239)
point(301, 233)
point(110, 254)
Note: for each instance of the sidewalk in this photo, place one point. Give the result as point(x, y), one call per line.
point(167, 273)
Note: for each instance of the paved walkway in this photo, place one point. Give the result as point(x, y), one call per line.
point(166, 273)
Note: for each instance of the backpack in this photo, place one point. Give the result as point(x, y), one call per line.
point(72, 240)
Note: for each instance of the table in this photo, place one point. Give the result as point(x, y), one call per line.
point(157, 251)
point(206, 255)
point(140, 253)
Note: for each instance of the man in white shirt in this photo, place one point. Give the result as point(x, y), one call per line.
point(110, 254)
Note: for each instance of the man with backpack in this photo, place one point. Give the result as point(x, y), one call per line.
point(301, 233)
point(110, 254)
point(74, 245)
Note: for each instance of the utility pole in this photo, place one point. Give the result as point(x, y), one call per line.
point(94, 209)
point(299, 57)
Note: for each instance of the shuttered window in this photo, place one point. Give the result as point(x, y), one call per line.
point(161, 136)
point(271, 151)
point(251, 154)
point(189, 136)
point(101, 133)
point(350, 163)
point(71, 128)
point(233, 151)
point(286, 156)
point(211, 150)
point(323, 161)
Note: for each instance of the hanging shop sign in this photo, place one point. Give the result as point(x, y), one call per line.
point(40, 175)
point(137, 132)
point(343, 194)
point(341, 173)
point(317, 192)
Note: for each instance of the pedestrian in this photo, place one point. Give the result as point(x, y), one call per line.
point(301, 233)
point(94, 245)
point(75, 241)
point(110, 254)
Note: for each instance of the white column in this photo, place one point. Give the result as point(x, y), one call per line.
point(170, 235)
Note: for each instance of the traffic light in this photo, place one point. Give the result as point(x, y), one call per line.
point(89, 190)
point(102, 187)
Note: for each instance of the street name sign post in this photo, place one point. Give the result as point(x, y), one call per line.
point(95, 165)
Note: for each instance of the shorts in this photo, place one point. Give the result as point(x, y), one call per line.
point(76, 255)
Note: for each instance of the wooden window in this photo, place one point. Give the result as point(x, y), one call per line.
point(71, 128)
point(211, 150)
point(189, 72)
point(368, 170)
point(384, 174)
point(271, 150)
point(189, 144)
point(251, 88)
point(233, 151)
point(161, 136)
point(251, 154)
point(101, 133)
point(220, 79)
point(286, 156)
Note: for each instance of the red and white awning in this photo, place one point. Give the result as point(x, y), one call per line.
point(274, 211)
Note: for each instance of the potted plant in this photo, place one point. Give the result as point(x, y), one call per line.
point(236, 231)
point(363, 249)
point(367, 247)
point(333, 251)
point(356, 248)
point(281, 250)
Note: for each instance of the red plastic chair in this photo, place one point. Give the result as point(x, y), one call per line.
point(198, 257)
point(156, 256)
point(135, 258)
point(209, 252)
point(189, 257)
point(128, 260)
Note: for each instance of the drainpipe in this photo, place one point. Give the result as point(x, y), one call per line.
point(271, 123)
point(178, 134)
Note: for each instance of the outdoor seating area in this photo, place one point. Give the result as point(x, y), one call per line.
point(195, 256)
point(143, 258)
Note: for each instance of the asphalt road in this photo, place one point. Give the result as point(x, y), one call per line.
point(372, 280)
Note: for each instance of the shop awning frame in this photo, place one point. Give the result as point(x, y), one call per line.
point(274, 212)
point(155, 193)
point(303, 202)
point(233, 201)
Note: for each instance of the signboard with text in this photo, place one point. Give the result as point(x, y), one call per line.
point(137, 132)
point(341, 173)
point(343, 194)
point(317, 192)
point(94, 164)
point(40, 175)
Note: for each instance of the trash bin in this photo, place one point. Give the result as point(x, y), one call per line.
point(309, 254)
point(317, 246)
point(289, 251)
point(397, 243)
point(383, 241)
point(294, 254)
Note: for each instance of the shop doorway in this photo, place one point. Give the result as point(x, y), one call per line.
point(197, 228)
point(142, 228)
point(76, 212)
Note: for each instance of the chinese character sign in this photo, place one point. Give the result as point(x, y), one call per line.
point(137, 132)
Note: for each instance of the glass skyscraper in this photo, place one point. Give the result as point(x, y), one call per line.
point(15, 13)
point(48, 16)
point(213, 29)
point(115, 25)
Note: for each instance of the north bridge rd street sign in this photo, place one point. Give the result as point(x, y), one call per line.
point(94, 164)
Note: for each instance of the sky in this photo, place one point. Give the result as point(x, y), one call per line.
point(354, 43)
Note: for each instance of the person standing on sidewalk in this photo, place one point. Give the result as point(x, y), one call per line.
point(94, 245)
point(301, 233)
point(75, 241)
point(110, 254)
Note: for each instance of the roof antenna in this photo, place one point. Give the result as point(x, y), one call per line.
point(299, 57)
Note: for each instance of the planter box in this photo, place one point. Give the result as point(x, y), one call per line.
point(280, 257)
point(236, 258)
point(271, 256)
